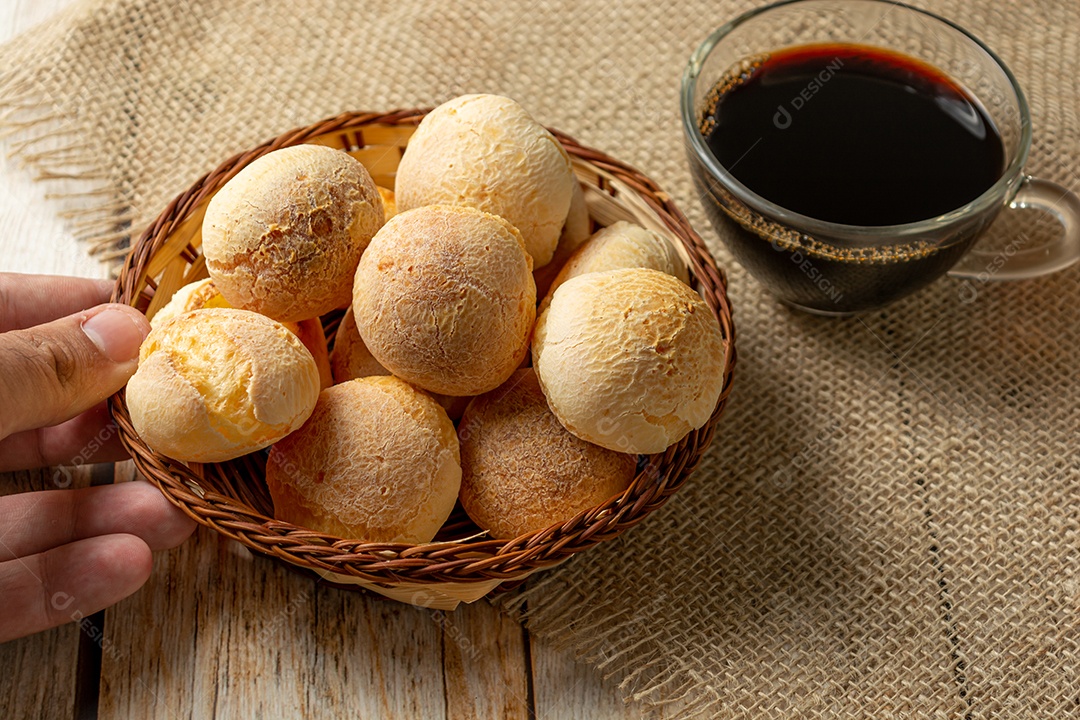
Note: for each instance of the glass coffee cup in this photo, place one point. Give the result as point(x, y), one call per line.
point(815, 257)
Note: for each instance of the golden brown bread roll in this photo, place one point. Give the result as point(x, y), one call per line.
point(193, 296)
point(444, 298)
point(218, 383)
point(576, 227)
point(621, 245)
point(388, 202)
point(522, 471)
point(351, 359)
point(312, 335)
point(378, 461)
point(204, 294)
point(283, 237)
point(629, 359)
point(487, 152)
point(574, 233)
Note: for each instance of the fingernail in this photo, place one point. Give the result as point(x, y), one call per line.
point(116, 334)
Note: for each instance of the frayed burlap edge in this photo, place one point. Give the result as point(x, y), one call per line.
point(593, 631)
point(47, 137)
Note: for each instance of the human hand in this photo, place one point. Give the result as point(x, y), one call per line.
point(65, 554)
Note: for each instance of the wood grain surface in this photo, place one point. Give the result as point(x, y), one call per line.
point(219, 633)
point(39, 670)
point(246, 637)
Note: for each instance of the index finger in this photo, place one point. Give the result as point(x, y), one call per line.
point(29, 300)
point(70, 582)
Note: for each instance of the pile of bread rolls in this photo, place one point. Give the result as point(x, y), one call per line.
point(451, 377)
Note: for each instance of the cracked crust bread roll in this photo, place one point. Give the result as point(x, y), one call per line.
point(444, 298)
point(313, 336)
point(621, 245)
point(351, 359)
point(630, 359)
point(193, 296)
point(219, 383)
point(283, 236)
point(487, 152)
point(522, 471)
point(574, 233)
point(377, 461)
point(203, 294)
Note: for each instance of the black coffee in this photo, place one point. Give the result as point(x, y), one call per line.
point(853, 135)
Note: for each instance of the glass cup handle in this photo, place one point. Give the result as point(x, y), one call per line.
point(1018, 262)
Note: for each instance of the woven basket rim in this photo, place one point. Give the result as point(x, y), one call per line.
point(477, 560)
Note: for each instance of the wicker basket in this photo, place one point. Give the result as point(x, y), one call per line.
point(461, 564)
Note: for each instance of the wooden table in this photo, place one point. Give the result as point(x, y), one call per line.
point(217, 632)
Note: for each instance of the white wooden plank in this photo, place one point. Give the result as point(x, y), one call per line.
point(39, 670)
point(218, 632)
point(565, 689)
point(483, 663)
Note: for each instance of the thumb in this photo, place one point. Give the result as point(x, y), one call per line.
point(52, 372)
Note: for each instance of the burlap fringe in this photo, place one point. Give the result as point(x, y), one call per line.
point(48, 140)
point(597, 636)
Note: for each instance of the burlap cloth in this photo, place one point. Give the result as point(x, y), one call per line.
point(887, 524)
